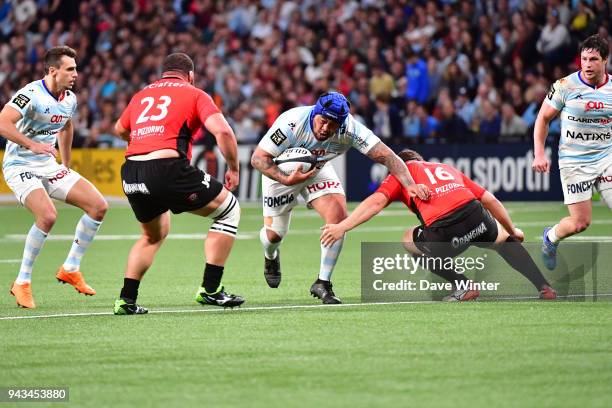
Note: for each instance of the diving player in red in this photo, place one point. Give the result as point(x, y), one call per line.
point(157, 178)
point(459, 212)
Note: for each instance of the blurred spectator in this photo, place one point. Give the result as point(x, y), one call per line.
point(411, 123)
point(381, 83)
point(490, 125)
point(452, 128)
point(418, 78)
point(513, 127)
point(428, 126)
point(387, 121)
point(554, 39)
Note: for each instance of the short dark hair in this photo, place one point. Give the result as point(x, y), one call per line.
point(178, 61)
point(53, 56)
point(410, 155)
point(597, 43)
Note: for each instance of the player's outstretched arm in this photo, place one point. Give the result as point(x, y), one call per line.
point(547, 113)
point(64, 142)
point(8, 118)
point(498, 211)
point(223, 133)
point(364, 212)
point(382, 154)
point(264, 162)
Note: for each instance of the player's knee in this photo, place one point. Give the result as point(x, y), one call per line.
point(99, 210)
point(278, 229)
point(227, 216)
point(47, 220)
point(581, 224)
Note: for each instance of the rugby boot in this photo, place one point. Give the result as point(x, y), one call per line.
point(76, 280)
point(323, 290)
point(23, 295)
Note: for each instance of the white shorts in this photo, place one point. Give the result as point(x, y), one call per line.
point(578, 182)
point(280, 199)
point(54, 178)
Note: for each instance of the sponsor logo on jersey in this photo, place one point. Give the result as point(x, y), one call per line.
point(467, 238)
point(323, 185)
point(605, 179)
point(278, 137)
point(277, 201)
point(57, 118)
point(588, 136)
point(21, 100)
point(593, 105)
point(41, 132)
point(602, 121)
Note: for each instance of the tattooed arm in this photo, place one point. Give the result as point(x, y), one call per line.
point(263, 161)
point(382, 154)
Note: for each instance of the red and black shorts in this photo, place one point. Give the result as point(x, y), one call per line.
point(470, 224)
point(156, 186)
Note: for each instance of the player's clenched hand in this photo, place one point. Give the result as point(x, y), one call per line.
point(419, 190)
point(541, 164)
point(330, 233)
point(232, 178)
point(519, 234)
point(43, 148)
point(297, 177)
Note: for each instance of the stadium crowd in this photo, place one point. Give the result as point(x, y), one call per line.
point(415, 71)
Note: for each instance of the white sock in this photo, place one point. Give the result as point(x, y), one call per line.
point(85, 232)
point(552, 235)
point(329, 257)
point(34, 242)
point(270, 248)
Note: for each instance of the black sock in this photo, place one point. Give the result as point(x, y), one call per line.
point(448, 274)
point(212, 278)
point(517, 257)
point(129, 292)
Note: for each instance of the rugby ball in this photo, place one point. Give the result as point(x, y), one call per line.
point(296, 158)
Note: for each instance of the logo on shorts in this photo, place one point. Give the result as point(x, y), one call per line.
point(605, 179)
point(278, 137)
point(277, 201)
point(59, 176)
point(467, 238)
point(21, 100)
point(323, 185)
point(192, 197)
point(133, 188)
point(578, 188)
point(26, 175)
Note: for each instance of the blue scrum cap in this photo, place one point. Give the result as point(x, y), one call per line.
point(333, 105)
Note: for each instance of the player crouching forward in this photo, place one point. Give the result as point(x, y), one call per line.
point(328, 130)
point(458, 208)
point(157, 178)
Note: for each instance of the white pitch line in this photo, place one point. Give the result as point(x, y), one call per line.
point(10, 261)
point(239, 309)
point(283, 307)
point(255, 234)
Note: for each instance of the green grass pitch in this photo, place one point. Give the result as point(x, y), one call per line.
point(266, 354)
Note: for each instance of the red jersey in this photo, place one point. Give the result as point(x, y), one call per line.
point(450, 189)
point(165, 115)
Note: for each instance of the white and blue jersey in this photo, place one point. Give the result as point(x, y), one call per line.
point(586, 120)
point(293, 128)
point(42, 117)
